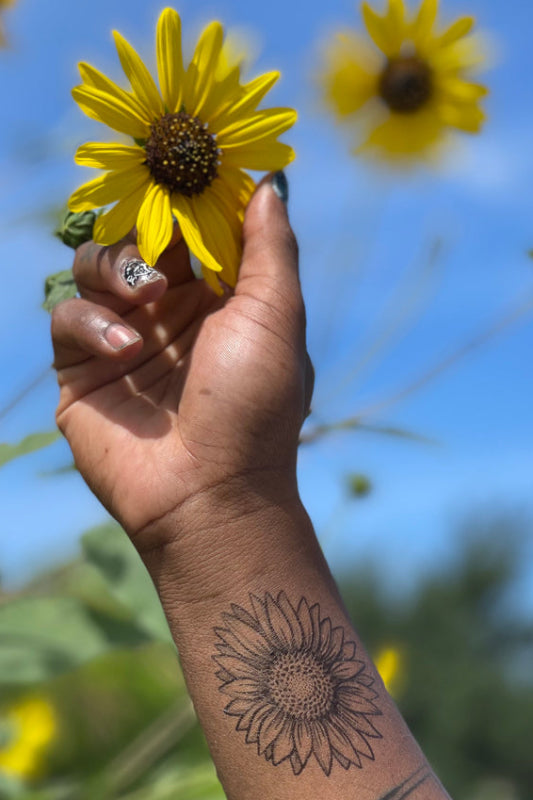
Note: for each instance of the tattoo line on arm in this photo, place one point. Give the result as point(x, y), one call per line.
point(410, 785)
point(295, 685)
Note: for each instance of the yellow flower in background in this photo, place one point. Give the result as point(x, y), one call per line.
point(192, 141)
point(4, 4)
point(389, 663)
point(410, 85)
point(26, 730)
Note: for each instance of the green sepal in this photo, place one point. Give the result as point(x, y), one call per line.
point(77, 228)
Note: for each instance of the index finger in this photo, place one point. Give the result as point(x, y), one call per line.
point(120, 271)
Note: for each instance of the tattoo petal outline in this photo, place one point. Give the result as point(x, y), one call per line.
point(295, 685)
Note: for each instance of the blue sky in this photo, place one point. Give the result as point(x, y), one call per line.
point(362, 234)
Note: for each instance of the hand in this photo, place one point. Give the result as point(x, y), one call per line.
point(170, 395)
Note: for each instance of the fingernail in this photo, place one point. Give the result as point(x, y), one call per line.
point(137, 272)
point(119, 337)
point(280, 186)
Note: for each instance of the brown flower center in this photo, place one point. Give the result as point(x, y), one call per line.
point(181, 154)
point(406, 84)
point(300, 685)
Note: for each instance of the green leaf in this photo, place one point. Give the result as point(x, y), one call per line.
point(109, 550)
point(58, 287)
point(10, 787)
point(44, 636)
point(30, 444)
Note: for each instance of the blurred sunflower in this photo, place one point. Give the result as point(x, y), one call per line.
point(4, 4)
point(192, 142)
point(26, 730)
point(390, 664)
point(414, 83)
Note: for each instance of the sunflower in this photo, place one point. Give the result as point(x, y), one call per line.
point(192, 141)
point(295, 684)
point(26, 730)
point(411, 84)
point(4, 4)
point(390, 665)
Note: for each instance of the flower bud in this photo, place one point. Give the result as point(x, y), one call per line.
point(77, 228)
point(359, 485)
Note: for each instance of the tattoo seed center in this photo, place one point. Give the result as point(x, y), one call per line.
point(299, 685)
point(181, 154)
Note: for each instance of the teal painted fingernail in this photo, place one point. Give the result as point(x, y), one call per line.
point(281, 186)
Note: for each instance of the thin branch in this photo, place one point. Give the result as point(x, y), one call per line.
point(152, 744)
point(24, 392)
point(358, 422)
point(406, 305)
point(478, 341)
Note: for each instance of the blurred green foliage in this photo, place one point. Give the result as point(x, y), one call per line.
point(467, 693)
point(91, 640)
point(30, 444)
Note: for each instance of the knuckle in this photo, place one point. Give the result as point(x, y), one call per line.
point(60, 420)
point(299, 308)
point(60, 313)
point(291, 244)
point(82, 256)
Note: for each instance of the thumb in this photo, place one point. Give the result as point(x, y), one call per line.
point(270, 254)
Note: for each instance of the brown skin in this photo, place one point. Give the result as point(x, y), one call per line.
point(167, 389)
point(188, 434)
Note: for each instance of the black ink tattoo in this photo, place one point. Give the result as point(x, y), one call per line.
point(135, 270)
point(295, 685)
point(410, 785)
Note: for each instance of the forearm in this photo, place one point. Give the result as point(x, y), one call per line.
point(290, 702)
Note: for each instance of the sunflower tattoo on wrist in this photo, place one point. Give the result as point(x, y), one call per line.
point(295, 685)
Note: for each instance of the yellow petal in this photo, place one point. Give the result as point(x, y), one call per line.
point(379, 31)
point(460, 91)
point(396, 21)
point(211, 278)
point(466, 118)
point(111, 111)
point(109, 156)
point(268, 154)
point(250, 97)
point(237, 183)
point(226, 88)
point(116, 223)
point(405, 136)
point(107, 189)
point(396, 25)
point(154, 224)
point(424, 23)
point(232, 191)
point(458, 30)
point(261, 125)
point(467, 54)
point(351, 73)
point(191, 229)
point(96, 79)
point(221, 233)
point(235, 52)
point(142, 83)
point(170, 59)
point(201, 71)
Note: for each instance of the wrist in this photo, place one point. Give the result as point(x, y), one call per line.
point(224, 533)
